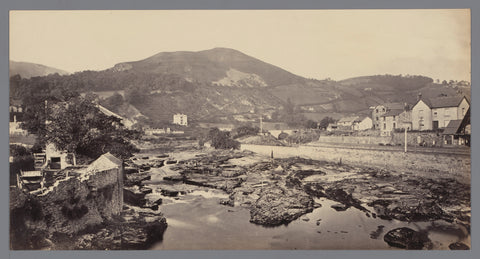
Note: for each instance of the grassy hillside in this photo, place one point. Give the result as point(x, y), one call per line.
point(27, 70)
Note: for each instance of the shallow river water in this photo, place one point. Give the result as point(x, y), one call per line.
point(198, 221)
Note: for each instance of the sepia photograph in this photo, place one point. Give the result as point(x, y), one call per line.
point(240, 129)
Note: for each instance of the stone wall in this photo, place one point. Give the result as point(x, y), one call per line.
point(70, 206)
point(397, 138)
point(355, 139)
point(431, 139)
point(430, 165)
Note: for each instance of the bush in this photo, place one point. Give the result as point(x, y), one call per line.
point(245, 131)
point(222, 139)
point(282, 136)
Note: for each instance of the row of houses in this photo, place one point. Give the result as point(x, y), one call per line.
point(348, 123)
point(427, 114)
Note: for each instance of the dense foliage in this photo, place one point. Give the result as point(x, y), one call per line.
point(325, 121)
point(78, 126)
point(245, 130)
point(222, 140)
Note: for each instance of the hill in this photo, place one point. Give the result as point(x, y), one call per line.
point(219, 66)
point(226, 85)
point(27, 70)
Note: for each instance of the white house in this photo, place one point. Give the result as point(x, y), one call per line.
point(346, 123)
point(381, 109)
point(180, 119)
point(363, 124)
point(58, 159)
point(431, 114)
point(395, 119)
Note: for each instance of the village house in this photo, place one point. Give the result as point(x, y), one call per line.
point(432, 114)
point(346, 123)
point(16, 118)
point(458, 132)
point(180, 119)
point(379, 110)
point(395, 119)
point(126, 122)
point(332, 127)
point(363, 124)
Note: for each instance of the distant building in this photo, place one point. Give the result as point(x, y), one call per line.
point(379, 110)
point(458, 132)
point(332, 127)
point(58, 159)
point(346, 123)
point(16, 117)
point(126, 122)
point(180, 119)
point(431, 114)
point(395, 119)
point(363, 124)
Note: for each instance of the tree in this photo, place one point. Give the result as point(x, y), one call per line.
point(79, 127)
point(325, 121)
point(245, 130)
point(222, 140)
point(310, 124)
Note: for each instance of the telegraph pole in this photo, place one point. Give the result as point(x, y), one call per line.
point(405, 139)
point(261, 125)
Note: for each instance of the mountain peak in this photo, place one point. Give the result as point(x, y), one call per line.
point(219, 64)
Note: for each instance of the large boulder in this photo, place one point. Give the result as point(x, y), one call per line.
point(277, 206)
point(407, 238)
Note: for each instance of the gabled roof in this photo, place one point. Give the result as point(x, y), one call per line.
point(443, 102)
point(394, 112)
point(108, 112)
point(394, 106)
point(364, 118)
point(105, 162)
point(348, 119)
point(452, 127)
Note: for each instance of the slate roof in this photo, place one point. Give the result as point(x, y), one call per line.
point(348, 119)
point(452, 127)
point(394, 112)
point(443, 102)
point(105, 162)
point(394, 106)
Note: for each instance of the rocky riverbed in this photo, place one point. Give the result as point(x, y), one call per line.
point(278, 192)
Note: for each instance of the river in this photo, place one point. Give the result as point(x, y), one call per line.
point(197, 220)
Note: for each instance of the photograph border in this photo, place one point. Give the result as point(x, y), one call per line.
point(6, 6)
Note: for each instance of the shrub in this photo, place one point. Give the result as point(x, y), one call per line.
point(222, 139)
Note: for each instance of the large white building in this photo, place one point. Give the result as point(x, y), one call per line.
point(431, 114)
point(180, 119)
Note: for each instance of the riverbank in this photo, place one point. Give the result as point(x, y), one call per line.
point(282, 192)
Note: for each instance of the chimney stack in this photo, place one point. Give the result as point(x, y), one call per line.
point(419, 97)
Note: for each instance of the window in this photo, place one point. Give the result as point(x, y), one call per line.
point(420, 114)
point(376, 110)
point(394, 126)
point(377, 118)
point(434, 114)
point(384, 125)
point(383, 118)
point(394, 118)
point(463, 111)
point(383, 109)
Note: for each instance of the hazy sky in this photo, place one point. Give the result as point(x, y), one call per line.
point(312, 43)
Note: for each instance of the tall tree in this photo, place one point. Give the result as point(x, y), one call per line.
point(78, 126)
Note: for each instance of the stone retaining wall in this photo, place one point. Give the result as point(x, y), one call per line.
point(437, 164)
